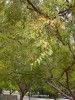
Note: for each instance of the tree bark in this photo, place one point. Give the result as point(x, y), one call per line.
point(21, 95)
point(0, 91)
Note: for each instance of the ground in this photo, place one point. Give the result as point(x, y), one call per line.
point(27, 98)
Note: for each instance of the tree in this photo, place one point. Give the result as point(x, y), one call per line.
point(5, 83)
point(40, 87)
point(45, 29)
point(59, 29)
point(23, 81)
point(18, 72)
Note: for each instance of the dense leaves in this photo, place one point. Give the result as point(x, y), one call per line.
point(39, 34)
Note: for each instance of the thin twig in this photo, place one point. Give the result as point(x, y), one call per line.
point(15, 40)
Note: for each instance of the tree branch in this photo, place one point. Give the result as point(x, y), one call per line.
point(59, 37)
point(49, 69)
point(71, 51)
point(68, 86)
point(62, 85)
point(66, 69)
point(38, 10)
point(59, 90)
point(15, 40)
point(34, 7)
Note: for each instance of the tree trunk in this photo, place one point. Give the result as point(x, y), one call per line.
point(22, 95)
point(10, 92)
point(0, 91)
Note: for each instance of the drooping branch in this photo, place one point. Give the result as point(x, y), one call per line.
point(59, 90)
point(67, 87)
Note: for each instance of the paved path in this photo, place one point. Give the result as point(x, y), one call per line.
point(27, 98)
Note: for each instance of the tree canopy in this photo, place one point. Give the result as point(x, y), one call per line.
point(40, 34)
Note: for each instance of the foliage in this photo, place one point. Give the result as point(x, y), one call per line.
point(39, 34)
